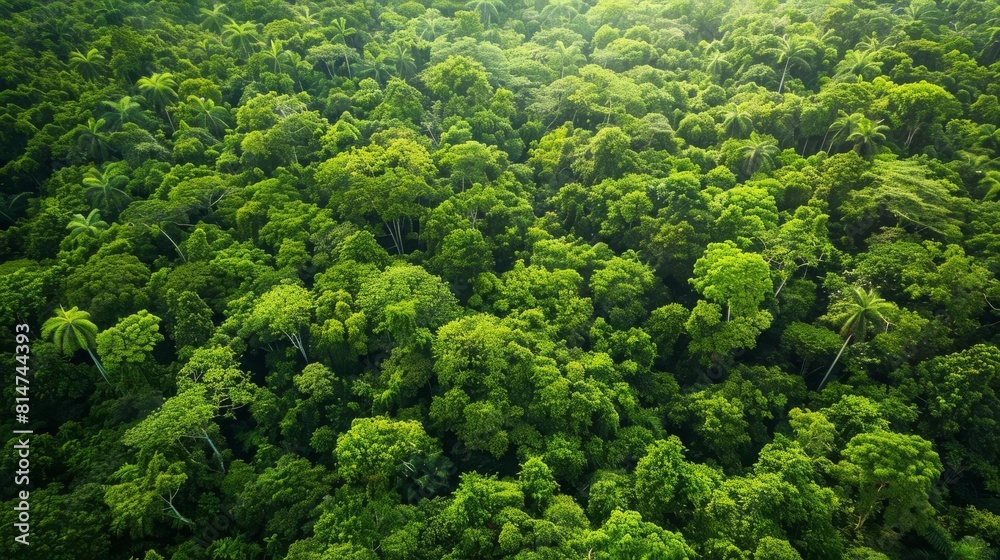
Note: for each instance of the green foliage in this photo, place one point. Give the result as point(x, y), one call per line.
point(126, 347)
point(414, 280)
point(371, 451)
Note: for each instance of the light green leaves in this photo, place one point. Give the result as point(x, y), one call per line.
point(128, 344)
point(728, 276)
point(373, 448)
point(892, 474)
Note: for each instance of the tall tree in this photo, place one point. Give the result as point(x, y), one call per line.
point(843, 127)
point(242, 36)
point(284, 310)
point(488, 9)
point(863, 65)
point(558, 10)
point(856, 313)
point(92, 139)
point(159, 89)
point(72, 330)
point(564, 57)
point(215, 20)
point(867, 136)
point(106, 189)
point(736, 121)
point(88, 65)
point(793, 51)
point(759, 152)
point(341, 31)
point(209, 115)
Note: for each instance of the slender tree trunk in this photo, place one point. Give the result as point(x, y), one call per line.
point(784, 73)
point(176, 248)
point(820, 388)
point(297, 343)
point(214, 449)
point(782, 285)
point(170, 504)
point(169, 120)
point(97, 363)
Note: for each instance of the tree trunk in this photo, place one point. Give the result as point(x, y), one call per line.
point(214, 450)
point(784, 73)
point(820, 388)
point(782, 285)
point(170, 504)
point(297, 343)
point(176, 248)
point(97, 363)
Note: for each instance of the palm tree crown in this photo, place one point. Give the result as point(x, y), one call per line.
point(867, 136)
point(215, 20)
point(72, 330)
point(122, 111)
point(87, 226)
point(857, 313)
point(793, 50)
point(159, 88)
point(241, 36)
point(736, 121)
point(88, 65)
point(105, 190)
point(758, 152)
point(488, 9)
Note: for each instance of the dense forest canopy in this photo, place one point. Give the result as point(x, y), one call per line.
point(550, 279)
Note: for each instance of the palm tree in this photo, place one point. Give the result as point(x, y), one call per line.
point(122, 111)
point(844, 127)
point(72, 330)
point(758, 152)
point(867, 136)
point(212, 116)
point(401, 58)
point(104, 190)
point(431, 24)
point(487, 9)
point(872, 45)
point(717, 64)
point(88, 65)
point(559, 10)
point(736, 121)
point(376, 67)
point(828, 40)
point(863, 64)
point(275, 53)
point(241, 36)
point(92, 139)
point(215, 20)
point(564, 57)
point(793, 50)
point(306, 17)
point(86, 226)
point(991, 182)
point(341, 32)
point(992, 47)
point(856, 313)
point(159, 89)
